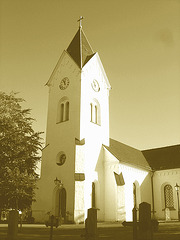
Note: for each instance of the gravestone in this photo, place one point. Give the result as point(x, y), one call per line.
point(13, 225)
point(135, 237)
point(91, 224)
point(145, 226)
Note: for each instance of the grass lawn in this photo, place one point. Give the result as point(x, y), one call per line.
point(165, 232)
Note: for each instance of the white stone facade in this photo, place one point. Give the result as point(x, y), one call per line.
point(161, 179)
point(75, 153)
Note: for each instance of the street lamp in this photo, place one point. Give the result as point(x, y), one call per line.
point(134, 213)
point(177, 188)
point(58, 183)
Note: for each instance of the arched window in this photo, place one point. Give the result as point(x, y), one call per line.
point(95, 112)
point(63, 110)
point(67, 111)
point(91, 112)
point(168, 196)
point(60, 158)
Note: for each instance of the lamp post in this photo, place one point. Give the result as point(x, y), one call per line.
point(134, 213)
point(60, 186)
point(177, 188)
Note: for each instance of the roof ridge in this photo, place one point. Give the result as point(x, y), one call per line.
point(158, 148)
point(127, 154)
point(126, 144)
point(87, 40)
point(128, 162)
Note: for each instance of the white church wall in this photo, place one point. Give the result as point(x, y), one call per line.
point(67, 68)
point(95, 134)
point(110, 190)
point(45, 192)
point(92, 71)
point(79, 211)
point(60, 137)
point(93, 148)
point(146, 190)
point(100, 187)
point(80, 158)
point(111, 165)
point(161, 178)
point(130, 175)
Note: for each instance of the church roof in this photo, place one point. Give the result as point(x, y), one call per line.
point(163, 158)
point(127, 154)
point(80, 49)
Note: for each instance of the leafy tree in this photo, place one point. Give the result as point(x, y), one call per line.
point(19, 154)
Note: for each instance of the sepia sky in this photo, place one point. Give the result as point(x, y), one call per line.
point(139, 46)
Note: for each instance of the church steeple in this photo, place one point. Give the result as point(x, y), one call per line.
point(80, 49)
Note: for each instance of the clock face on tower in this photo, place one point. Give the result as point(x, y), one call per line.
point(64, 83)
point(95, 85)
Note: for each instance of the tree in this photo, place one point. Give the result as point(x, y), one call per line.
point(19, 154)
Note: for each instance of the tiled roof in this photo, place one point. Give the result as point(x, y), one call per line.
point(127, 154)
point(155, 159)
point(163, 158)
point(80, 49)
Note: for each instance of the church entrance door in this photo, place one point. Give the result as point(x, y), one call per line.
point(61, 204)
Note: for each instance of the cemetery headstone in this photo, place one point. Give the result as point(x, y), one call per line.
point(91, 224)
point(13, 225)
point(145, 226)
point(135, 237)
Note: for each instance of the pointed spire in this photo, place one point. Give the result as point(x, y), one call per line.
point(79, 48)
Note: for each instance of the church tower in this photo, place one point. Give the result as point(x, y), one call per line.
point(77, 126)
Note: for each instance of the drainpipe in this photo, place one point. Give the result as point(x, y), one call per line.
point(152, 187)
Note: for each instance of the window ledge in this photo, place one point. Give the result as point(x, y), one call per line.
point(96, 123)
point(62, 122)
point(170, 208)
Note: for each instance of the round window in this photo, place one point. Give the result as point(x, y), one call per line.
point(61, 158)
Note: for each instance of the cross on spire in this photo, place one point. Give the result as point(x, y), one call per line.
point(80, 21)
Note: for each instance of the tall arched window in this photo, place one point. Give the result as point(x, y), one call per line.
point(67, 111)
point(63, 110)
point(91, 112)
point(95, 112)
point(168, 196)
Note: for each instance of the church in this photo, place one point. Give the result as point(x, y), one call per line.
point(82, 167)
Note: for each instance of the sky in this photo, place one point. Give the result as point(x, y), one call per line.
point(139, 46)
